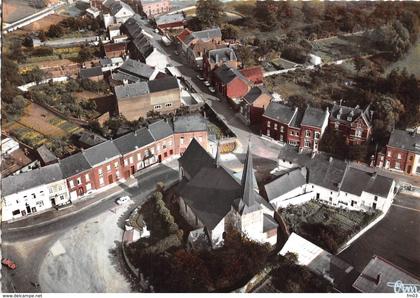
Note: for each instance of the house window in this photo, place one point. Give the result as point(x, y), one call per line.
point(100, 172)
point(336, 125)
point(268, 132)
point(117, 173)
point(101, 181)
point(88, 187)
point(168, 105)
point(108, 167)
point(71, 183)
point(126, 162)
point(116, 164)
point(87, 177)
point(399, 155)
point(307, 144)
point(170, 143)
point(131, 159)
point(79, 181)
point(389, 153)
point(307, 133)
point(275, 126)
point(397, 165)
point(158, 148)
point(138, 156)
point(268, 123)
point(157, 107)
point(376, 198)
point(358, 133)
point(200, 139)
point(317, 134)
point(182, 140)
point(281, 128)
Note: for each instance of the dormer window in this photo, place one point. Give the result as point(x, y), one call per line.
point(349, 118)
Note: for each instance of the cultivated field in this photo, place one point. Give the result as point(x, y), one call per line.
point(14, 10)
point(44, 24)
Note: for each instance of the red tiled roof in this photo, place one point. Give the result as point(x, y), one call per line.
point(254, 74)
point(184, 34)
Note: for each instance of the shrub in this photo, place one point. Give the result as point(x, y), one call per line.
point(163, 245)
point(172, 228)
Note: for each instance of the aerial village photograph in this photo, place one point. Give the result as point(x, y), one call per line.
point(208, 146)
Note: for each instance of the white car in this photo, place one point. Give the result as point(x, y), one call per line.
point(212, 90)
point(200, 77)
point(123, 200)
point(207, 83)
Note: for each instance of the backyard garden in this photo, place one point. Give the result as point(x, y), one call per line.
point(325, 226)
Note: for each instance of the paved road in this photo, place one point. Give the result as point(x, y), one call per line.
point(28, 246)
point(395, 237)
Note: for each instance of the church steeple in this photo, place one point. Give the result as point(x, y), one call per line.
point(248, 192)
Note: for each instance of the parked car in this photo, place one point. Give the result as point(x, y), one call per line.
point(9, 263)
point(123, 200)
point(212, 90)
point(200, 78)
point(207, 83)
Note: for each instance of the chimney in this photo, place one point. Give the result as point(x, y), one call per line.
point(232, 56)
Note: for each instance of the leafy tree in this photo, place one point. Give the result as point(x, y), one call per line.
point(35, 75)
point(209, 12)
point(295, 53)
point(55, 31)
point(230, 31)
point(85, 54)
point(17, 106)
point(246, 56)
point(359, 64)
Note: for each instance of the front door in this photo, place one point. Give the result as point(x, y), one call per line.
point(110, 180)
point(28, 209)
point(408, 169)
point(53, 201)
point(132, 170)
point(374, 206)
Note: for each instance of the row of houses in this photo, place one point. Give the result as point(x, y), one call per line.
point(100, 166)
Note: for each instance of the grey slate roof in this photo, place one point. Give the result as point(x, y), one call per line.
point(134, 140)
point(227, 74)
point(389, 273)
point(280, 112)
point(269, 223)
point(74, 164)
point(136, 68)
point(118, 5)
point(131, 90)
point(313, 117)
point(195, 158)
point(45, 154)
point(194, 122)
point(247, 181)
point(91, 139)
point(28, 180)
point(86, 73)
point(163, 84)
point(254, 94)
point(205, 35)
point(222, 54)
point(100, 153)
point(105, 61)
point(170, 18)
point(326, 173)
point(286, 182)
point(356, 181)
point(341, 113)
point(160, 129)
point(405, 140)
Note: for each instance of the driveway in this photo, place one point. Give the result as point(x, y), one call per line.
point(395, 238)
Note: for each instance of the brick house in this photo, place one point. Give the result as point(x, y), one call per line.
point(253, 104)
point(230, 83)
point(195, 52)
point(135, 100)
point(170, 21)
point(285, 124)
point(113, 50)
point(216, 58)
point(402, 153)
point(188, 38)
point(353, 123)
point(187, 128)
point(155, 7)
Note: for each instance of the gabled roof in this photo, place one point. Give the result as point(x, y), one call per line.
point(269, 223)
point(117, 6)
point(184, 34)
point(221, 55)
point(131, 90)
point(286, 182)
point(227, 74)
point(160, 129)
point(45, 154)
point(134, 140)
point(405, 140)
point(136, 68)
point(86, 73)
point(254, 94)
point(114, 47)
point(74, 164)
point(349, 114)
point(313, 117)
point(326, 172)
point(356, 181)
point(31, 179)
point(208, 34)
point(163, 84)
point(100, 153)
point(254, 74)
point(189, 123)
point(280, 112)
point(195, 158)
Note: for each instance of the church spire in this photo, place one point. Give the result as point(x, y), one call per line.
point(248, 192)
point(217, 158)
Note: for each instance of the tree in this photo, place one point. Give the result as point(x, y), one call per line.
point(359, 64)
point(209, 12)
point(16, 106)
point(35, 75)
point(230, 31)
point(246, 56)
point(55, 31)
point(85, 54)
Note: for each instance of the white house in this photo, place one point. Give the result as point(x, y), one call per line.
point(119, 11)
point(332, 182)
point(8, 145)
point(33, 191)
point(157, 59)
